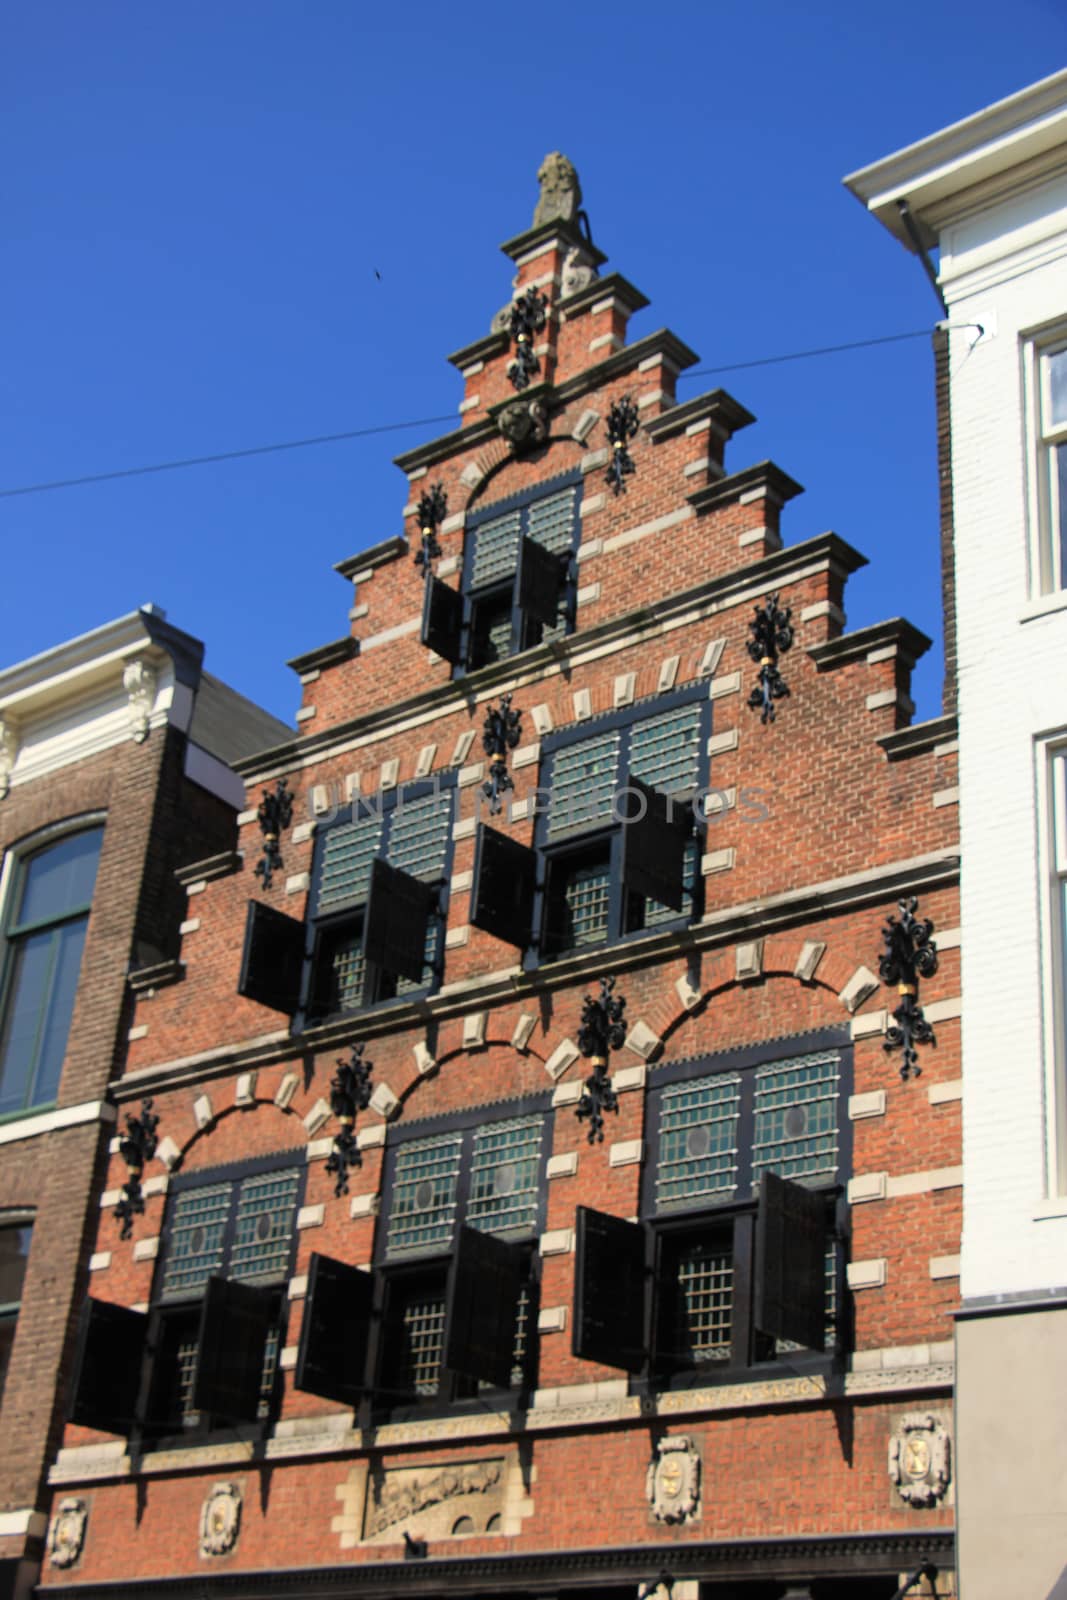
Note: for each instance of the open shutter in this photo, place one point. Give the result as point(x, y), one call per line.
point(107, 1366)
point(502, 893)
point(234, 1325)
point(398, 914)
point(539, 582)
point(790, 1298)
point(332, 1355)
point(609, 1291)
point(653, 846)
point(442, 619)
point(484, 1285)
point(273, 958)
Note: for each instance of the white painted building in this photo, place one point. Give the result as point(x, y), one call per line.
point(990, 194)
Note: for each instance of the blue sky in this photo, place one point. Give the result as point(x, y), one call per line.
point(230, 224)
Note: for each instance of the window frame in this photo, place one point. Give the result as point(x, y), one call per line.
point(22, 1219)
point(587, 839)
point(151, 1426)
point(476, 598)
point(1047, 513)
point(658, 1234)
point(1051, 785)
point(396, 1276)
point(322, 927)
point(16, 864)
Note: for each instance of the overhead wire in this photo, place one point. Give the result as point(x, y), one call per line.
point(416, 422)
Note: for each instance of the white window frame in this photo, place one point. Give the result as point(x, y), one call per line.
point(1048, 562)
point(1052, 868)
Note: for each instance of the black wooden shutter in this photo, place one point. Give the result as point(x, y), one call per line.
point(234, 1325)
point(539, 582)
point(653, 846)
point(273, 959)
point(790, 1297)
point(442, 619)
point(484, 1285)
point(609, 1291)
point(332, 1355)
point(502, 894)
point(397, 917)
point(107, 1366)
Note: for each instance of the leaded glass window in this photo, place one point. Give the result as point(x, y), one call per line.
point(348, 852)
point(423, 1210)
point(240, 1228)
point(795, 1117)
point(264, 1226)
point(665, 750)
point(505, 1167)
point(583, 783)
point(698, 1141)
point(197, 1239)
point(704, 1285)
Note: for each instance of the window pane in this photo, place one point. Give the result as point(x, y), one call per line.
point(796, 1117)
point(504, 1169)
point(32, 963)
point(585, 901)
point(423, 1208)
point(264, 1228)
point(14, 1248)
point(551, 521)
point(346, 862)
point(1059, 505)
point(496, 548)
point(68, 943)
point(698, 1141)
point(583, 783)
point(418, 836)
point(7, 1339)
point(422, 1336)
point(347, 971)
point(197, 1235)
point(704, 1287)
point(1057, 386)
point(60, 879)
point(665, 751)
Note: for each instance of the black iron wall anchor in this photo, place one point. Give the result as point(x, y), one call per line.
point(275, 814)
point(602, 1030)
point(909, 954)
point(350, 1093)
point(136, 1147)
point(501, 732)
point(772, 636)
point(622, 426)
point(527, 318)
point(433, 509)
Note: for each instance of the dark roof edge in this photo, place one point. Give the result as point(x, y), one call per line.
point(377, 555)
point(543, 235)
point(483, 349)
point(614, 286)
point(764, 475)
point(920, 738)
point(326, 655)
point(729, 414)
point(895, 632)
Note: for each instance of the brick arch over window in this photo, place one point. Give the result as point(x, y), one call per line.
point(216, 1135)
point(490, 462)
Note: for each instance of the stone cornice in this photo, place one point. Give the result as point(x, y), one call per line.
point(764, 476)
point(748, 920)
point(919, 739)
point(484, 349)
point(613, 287)
point(376, 555)
point(326, 655)
point(631, 627)
point(219, 866)
point(844, 1555)
point(718, 407)
point(895, 634)
point(564, 234)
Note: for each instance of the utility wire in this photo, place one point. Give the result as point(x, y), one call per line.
point(419, 422)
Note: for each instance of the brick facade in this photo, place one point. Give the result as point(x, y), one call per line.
point(821, 821)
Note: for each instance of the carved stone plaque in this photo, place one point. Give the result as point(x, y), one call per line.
point(66, 1536)
point(673, 1481)
point(920, 1459)
point(433, 1502)
point(220, 1520)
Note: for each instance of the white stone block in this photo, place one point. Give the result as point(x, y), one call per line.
point(940, 1094)
point(668, 673)
point(626, 1153)
point(100, 1261)
point(729, 683)
point(298, 1286)
point(310, 1217)
point(562, 1166)
point(461, 749)
point(687, 994)
point(748, 961)
point(316, 1117)
point(557, 1242)
point(642, 1040)
point(470, 775)
point(944, 1266)
point(283, 1097)
point(523, 1030)
point(245, 1092)
point(385, 1102)
point(425, 1064)
point(298, 883)
point(456, 938)
point(627, 1078)
point(867, 1026)
point(869, 1186)
point(859, 988)
point(871, 1104)
point(553, 1319)
point(868, 1274)
point(541, 717)
point(811, 953)
point(191, 925)
point(203, 1112)
point(364, 1205)
point(527, 755)
point(140, 1032)
point(625, 685)
point(369, 1138)
point(720, 743)
point(709, 661)
point(583, 705)
point(563, 1056)
point(714, 861)
point(474, 1026)
point(167, 1152)
point(146, 1249)
point(567, 1094)
point(585, 425)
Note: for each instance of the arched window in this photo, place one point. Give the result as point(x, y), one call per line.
point(44, 932)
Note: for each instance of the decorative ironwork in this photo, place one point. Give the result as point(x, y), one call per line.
point(527, 317)
point(501, 732)
point(433, 509)
point(602, 1030)
point(622, 425)
point(910, 954)
point(350, 1093)
point(136, 1146)
point(772, 636)
point(275, 813)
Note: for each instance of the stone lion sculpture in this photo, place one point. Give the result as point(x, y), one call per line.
point(561, 193)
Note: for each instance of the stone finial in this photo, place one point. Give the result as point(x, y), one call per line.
point(561, 193)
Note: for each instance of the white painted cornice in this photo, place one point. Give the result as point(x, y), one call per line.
point(1020, 139)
